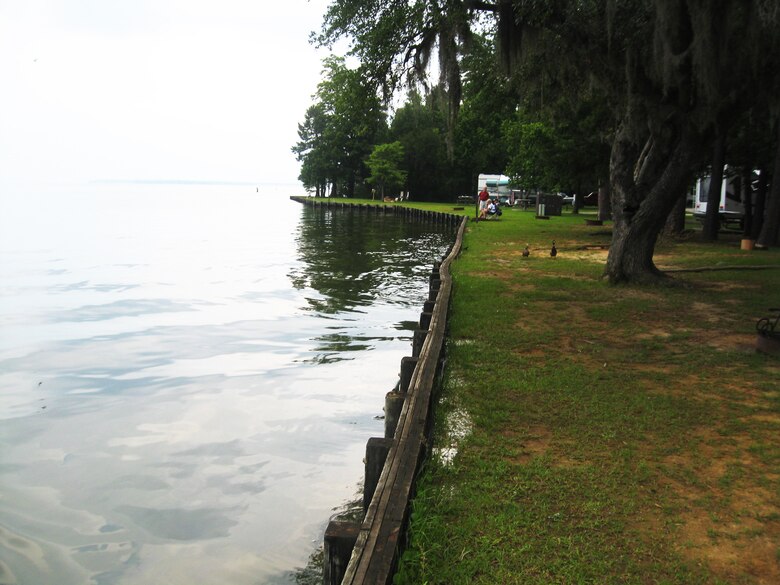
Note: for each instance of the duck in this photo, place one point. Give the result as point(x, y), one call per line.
point(553, 250)
point(526, 252)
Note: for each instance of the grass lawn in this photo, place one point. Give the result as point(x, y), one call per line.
point(588, 433)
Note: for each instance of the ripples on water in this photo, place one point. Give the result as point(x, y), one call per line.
point(188, 377)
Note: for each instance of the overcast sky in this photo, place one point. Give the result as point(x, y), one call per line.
point(154, 89)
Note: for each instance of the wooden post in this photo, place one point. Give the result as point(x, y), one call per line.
point(425, 320)
point(417, 341)
point(376, 454)
point(407, 369)
point(394, 402)
point(340, 539)
point(428, 306)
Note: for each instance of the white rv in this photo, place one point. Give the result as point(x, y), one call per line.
point(731, 210)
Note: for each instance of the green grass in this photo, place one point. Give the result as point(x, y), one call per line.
point(617, 434)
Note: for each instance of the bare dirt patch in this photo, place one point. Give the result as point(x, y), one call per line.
point(503, 275)
point(773, 419)
point(538, 441)
point(732, 286)
point(707, 311)
point(724, 519)
point(655, 334)
point(653, 368)
point(595, 256)
point(740, 342)
point(534, 442)
point(732, 549)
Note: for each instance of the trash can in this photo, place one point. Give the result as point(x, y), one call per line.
point(549, 205)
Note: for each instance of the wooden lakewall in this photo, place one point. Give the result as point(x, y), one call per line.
point(367, 552)
point(388, 208)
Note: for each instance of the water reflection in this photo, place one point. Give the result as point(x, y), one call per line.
point(355, 258)
point(188, 405)
point(180, 523)
point(127, 308)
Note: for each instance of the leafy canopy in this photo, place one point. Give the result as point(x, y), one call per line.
point(384, 162)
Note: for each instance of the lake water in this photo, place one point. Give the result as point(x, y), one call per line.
point(189, 375)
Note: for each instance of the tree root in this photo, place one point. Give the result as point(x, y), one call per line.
point(718, 268)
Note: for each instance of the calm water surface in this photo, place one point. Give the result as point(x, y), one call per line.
point(188, 377)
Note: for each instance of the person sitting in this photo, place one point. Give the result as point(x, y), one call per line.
point(493, 209)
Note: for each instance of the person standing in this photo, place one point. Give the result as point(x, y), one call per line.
point(484, 196)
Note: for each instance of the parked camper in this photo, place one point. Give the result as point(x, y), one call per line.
point(731, 211)
point(497, 186)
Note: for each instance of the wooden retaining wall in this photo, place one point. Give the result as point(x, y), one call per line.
point(367, 552)
point(387, 208)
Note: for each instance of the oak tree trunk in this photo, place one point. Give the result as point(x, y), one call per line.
point(759, 205)
point(747, 201)
point(712, 217)
point(771, 227)
point(643, 198)
point(675, 223)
